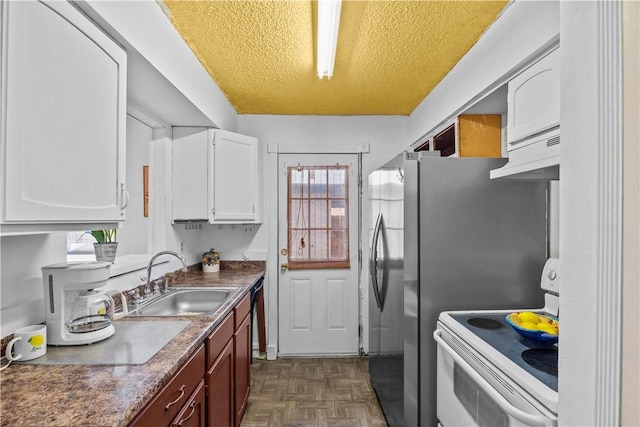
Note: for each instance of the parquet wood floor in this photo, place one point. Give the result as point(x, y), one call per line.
point(312, 392)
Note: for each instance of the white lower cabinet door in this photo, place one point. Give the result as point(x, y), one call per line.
point(64, 121)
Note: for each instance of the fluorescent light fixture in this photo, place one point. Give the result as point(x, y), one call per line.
point(328, 24)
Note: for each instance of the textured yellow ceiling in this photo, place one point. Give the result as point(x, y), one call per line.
point(390, 54)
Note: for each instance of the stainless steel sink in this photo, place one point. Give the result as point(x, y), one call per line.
point(186, 301)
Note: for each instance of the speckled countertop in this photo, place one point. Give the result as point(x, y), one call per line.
point(79, 395)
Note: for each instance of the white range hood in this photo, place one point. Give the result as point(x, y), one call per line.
point(533, 122)
point(537, 158)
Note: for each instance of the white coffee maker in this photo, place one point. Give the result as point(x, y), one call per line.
point(77, 313)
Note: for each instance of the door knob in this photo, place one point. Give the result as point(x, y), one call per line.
point(284, 266)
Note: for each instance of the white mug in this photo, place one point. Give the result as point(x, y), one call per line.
point(28, 343)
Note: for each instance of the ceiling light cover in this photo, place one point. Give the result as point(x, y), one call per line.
point(328, 24)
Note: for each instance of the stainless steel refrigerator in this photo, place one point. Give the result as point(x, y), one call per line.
point(443, 236)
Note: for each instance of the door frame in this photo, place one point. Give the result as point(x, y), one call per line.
point(273, 268)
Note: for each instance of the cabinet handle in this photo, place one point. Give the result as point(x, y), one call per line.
point(125, 197)
point(166, 408)
point(193, 409)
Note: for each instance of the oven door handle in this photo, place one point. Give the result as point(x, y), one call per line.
point(516, 413)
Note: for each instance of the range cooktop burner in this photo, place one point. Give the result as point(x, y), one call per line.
point(543, 359)
point(484, 323)
point(511, 345)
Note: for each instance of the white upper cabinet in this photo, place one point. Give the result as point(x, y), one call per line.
point(63, 117)
point(215, 176)
point(235, 177)
point(533, 122)
point(533, 100)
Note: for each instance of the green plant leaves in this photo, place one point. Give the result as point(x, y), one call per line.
point(105, 236)
point(98, 235)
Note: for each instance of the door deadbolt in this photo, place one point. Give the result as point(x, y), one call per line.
point(284, 252)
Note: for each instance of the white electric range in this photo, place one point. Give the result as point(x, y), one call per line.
point(489, 375)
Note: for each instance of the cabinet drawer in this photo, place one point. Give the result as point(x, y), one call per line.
point(242, 309)
point(193, 413)
point(164, 408)
point(219, 339)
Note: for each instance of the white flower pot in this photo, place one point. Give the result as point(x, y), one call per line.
point(105, 251)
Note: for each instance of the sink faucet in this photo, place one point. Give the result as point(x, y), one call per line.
point(147, 287)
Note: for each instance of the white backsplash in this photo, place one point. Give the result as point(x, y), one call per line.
point(21, 258)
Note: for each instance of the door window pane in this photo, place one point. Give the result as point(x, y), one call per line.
point(337, 184)
point(318, 217)
point(318, 214)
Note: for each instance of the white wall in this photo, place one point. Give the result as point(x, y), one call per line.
point(21, 287)
point(235, 242)
point(385, 134)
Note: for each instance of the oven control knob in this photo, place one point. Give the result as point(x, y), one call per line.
point(552, 275)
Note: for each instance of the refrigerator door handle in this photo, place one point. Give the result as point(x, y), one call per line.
point(373, 261)
point(382, 288)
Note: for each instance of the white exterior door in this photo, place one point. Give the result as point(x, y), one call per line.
point(318, 241)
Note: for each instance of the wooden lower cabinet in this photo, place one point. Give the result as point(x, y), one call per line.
point(193, 412)
point(228, 373)
point(242, 359)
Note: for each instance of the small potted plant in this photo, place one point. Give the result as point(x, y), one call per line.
point(106, 245)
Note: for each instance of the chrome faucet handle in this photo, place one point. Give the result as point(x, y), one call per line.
point(143, 280)
point(135, 293)
point(166, 282)
point(156, 287)
point(147, 291)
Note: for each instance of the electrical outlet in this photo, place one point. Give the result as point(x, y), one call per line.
point(181, 247)
point(248, 229)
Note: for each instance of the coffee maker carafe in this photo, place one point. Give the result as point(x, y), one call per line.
point(76, 311)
